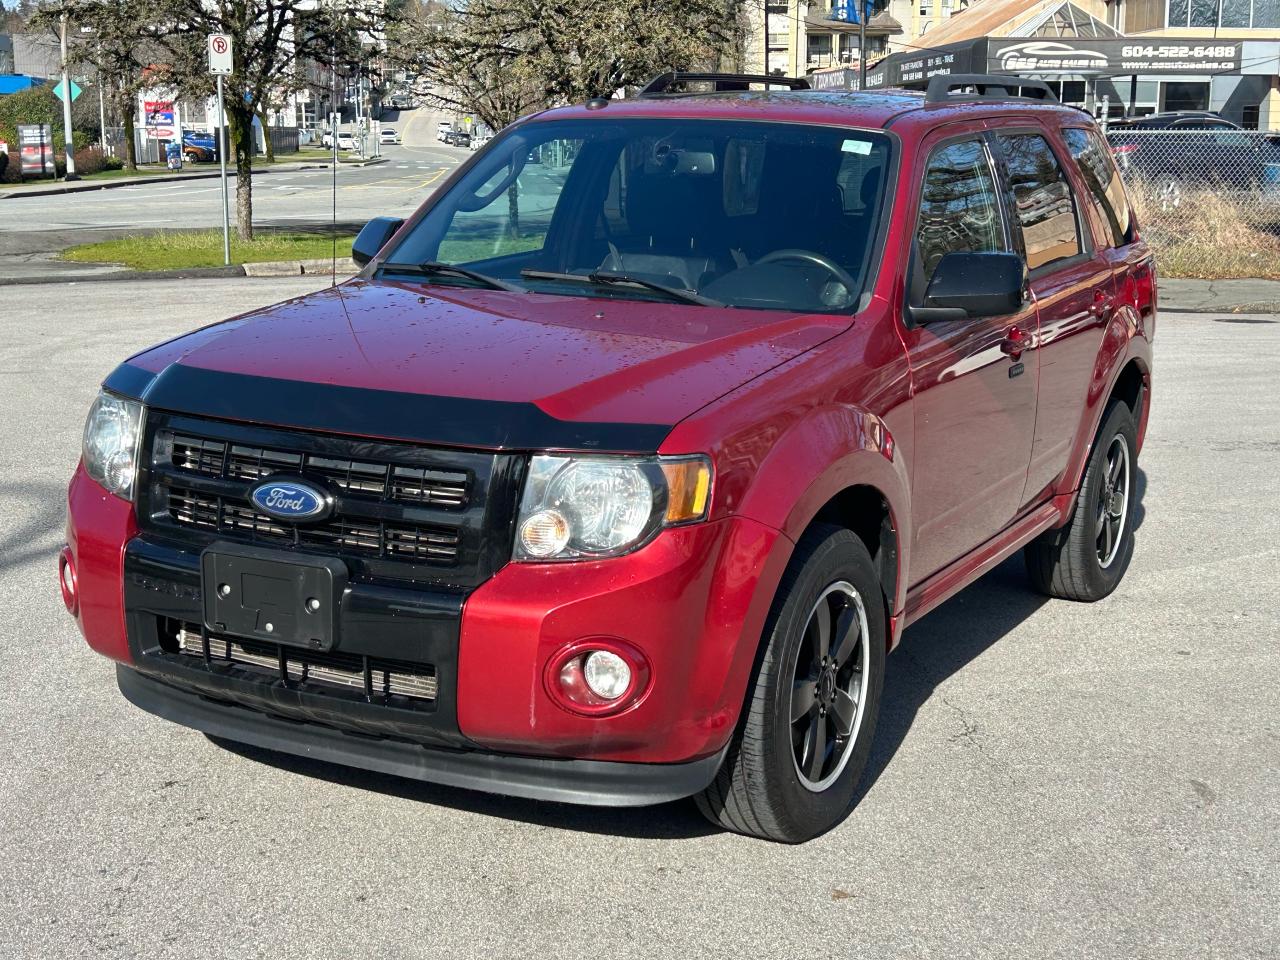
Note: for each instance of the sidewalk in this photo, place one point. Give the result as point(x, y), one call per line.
point(1219, 296)
point(79, 186)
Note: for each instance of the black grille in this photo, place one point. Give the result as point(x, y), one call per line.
point(404, 511)
point(376, 538)
point(401, 484)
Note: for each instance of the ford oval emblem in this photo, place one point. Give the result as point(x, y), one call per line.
point(290, 500)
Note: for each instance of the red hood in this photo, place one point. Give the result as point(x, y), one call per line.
point(575, 358)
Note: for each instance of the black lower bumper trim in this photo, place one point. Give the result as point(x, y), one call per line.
point(594, 782)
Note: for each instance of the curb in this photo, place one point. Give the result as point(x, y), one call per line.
point(276, 268)
point(293, 268)
point(83, 187)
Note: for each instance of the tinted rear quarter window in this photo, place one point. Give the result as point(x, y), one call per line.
point(1099, 173)
point(1042, 199)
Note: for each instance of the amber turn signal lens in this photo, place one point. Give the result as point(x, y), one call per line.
point(688, 488)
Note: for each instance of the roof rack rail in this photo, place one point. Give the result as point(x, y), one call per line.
point(989, 87)
point(663, 82)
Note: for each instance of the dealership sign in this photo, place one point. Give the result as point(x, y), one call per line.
point(159, 119)
point(1120, 57)
point(1064, 57)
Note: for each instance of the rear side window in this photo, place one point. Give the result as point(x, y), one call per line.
point(1103, 180)
point(959, 206)
point(1042, 199)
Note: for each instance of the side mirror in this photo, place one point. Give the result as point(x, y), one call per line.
point(373, 237)
point(967, 285)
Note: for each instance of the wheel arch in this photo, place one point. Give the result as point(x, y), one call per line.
point(1123, 370)
point(865, 511)
point(839, 465)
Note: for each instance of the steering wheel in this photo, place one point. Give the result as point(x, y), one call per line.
point(818, 259)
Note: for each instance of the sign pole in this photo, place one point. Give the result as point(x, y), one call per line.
point(68, 145)
point(222, 65)
point(222, 159)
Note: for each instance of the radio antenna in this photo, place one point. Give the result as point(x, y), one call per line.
point(334, 114)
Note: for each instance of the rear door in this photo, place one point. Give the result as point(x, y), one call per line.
point(974, 392)
point(1073, 289)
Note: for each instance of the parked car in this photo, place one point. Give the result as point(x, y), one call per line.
point(442, 129)
point(479, 140)
point(629, 499)
point(199, 147)
point(1194, 150)
point(388, 135)
point(457, 138)
point(346, 141)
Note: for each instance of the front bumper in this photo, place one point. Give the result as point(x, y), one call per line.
point(593, 782)
point(694, 601)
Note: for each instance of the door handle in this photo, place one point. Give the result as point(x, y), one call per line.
point(1014, 342)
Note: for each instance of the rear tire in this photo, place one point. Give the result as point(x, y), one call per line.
point(1087, 559)
point(800, 749)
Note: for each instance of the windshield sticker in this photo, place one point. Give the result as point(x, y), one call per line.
point(860, 147)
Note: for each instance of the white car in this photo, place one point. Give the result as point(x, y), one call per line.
point(479, 140)
point(388, 135)
point(346, 141)
point(442, 129)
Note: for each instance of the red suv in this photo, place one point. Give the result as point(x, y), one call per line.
point(624, 462)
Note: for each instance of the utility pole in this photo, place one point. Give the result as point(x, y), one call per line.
point(102, 113)
point(765, 30)
point(862, 44)
point(68, 147)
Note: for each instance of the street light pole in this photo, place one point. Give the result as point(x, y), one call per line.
point(68, 146)
point(102, 112)
point(862, 43)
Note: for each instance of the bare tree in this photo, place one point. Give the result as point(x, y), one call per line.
point(499, 59)
point(271, 39)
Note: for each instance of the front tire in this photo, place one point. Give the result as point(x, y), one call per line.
point(1087, 559)
point(795, 761)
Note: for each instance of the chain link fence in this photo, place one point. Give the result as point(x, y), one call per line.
point(1207, 200)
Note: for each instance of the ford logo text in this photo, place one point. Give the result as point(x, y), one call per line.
point(290, 500)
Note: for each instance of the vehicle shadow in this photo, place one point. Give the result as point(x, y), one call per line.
point(668, 821)
point(946, 641)
point(940, 645)
point(951, 637)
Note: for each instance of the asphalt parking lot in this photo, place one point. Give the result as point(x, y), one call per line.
point(1049, 779)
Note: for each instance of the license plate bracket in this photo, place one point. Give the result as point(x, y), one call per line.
point(269, 595)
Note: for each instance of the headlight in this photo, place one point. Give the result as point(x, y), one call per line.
point(583, 507)
point(111, 435)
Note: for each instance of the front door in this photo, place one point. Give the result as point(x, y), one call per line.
point(1072, 283)
point(974, 381)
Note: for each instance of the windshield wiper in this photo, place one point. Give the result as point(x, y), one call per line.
point(433, 268)
point(608, 277)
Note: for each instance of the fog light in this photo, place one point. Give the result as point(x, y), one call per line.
point(598, 676)
point(607, 674)
point(67, 581)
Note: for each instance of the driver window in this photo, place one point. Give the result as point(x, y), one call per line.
point(959, 207)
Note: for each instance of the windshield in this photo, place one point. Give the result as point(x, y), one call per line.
point(773, 216)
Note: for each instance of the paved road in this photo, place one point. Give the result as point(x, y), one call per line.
point(32, 228)
point(1049, 779)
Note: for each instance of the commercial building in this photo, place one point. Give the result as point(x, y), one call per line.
point(1127, 57)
